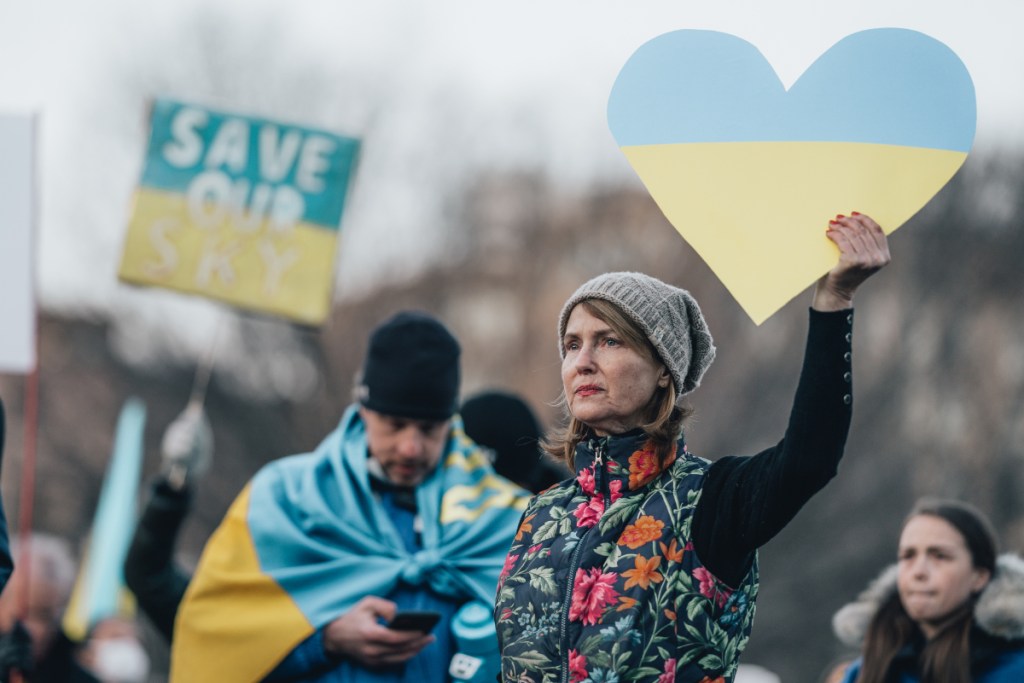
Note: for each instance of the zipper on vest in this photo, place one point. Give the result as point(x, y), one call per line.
point(600, 476)
point(563, 630)
point(600, 486)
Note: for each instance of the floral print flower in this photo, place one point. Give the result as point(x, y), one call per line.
point(525, 527)
point(709, 586)
point(615, 490)
point(603, 676)
point(586, 480)
point(577, 667)
point(645, 530)
point(672, 552)
point(592, 592)
point(644, 573)
point(643, 466)
point(510, 561)
point(589, 512)
point(625, 603)
point(670, 672)
point(735, 609)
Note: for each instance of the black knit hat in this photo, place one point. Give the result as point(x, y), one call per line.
point(411, 368)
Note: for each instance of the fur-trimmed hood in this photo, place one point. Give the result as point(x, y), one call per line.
point(999, 610)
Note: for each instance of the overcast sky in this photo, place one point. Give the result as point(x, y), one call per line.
point(438, 90)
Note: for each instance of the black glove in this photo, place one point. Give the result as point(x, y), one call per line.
point(16, 652)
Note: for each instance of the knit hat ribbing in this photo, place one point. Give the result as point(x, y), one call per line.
point(667, 315)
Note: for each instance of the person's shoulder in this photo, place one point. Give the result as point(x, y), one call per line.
point(852, 672)
point(1007, 667)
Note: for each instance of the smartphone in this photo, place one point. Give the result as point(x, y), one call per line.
point(415, 621)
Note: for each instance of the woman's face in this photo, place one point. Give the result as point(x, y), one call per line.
point(607, 384)
point(936, 574)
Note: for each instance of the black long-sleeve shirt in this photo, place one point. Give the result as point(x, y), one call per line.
point(748, 500)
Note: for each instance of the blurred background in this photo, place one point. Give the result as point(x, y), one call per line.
point(489, 188)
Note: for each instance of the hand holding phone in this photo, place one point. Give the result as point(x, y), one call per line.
point(423, 621)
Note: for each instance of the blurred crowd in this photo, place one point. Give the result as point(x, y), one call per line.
point(430, 539)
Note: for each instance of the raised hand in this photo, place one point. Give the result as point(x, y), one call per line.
point(863, 251)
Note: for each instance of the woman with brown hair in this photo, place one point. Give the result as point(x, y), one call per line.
point(948, 611)
point(643, 566)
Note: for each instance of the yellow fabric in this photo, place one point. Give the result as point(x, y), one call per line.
point(235, 624)
point(756, 212)
point(287, 272)
point(74, 622)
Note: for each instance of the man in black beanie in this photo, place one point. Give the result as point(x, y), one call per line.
point(407, 392)
point(377, 555)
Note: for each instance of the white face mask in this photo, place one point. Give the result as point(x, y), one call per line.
point(121, 660)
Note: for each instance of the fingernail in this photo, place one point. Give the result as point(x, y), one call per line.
point(831, 222)
point(855, 213)
point(839, 215)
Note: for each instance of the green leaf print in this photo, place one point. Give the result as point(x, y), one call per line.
point(711, 662)
point(619, 513)
point(612, 551)
point(547, 531)
point(642, 672)
point(599, 659)
point(506, 594)
point(543, 580)
point(529, 660)
point(693, 608)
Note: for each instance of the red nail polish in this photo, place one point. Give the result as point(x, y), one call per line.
point(831, 222)
point(855, 213)
point(839, 215)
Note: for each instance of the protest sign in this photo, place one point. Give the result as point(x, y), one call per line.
point(17, 286)
point(750, 173)
point(239, 209)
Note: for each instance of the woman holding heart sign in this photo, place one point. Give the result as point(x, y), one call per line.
point(644, 566)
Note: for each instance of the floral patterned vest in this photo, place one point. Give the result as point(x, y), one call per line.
point(602, 584)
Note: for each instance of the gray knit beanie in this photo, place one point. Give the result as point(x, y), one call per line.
point(668, 316)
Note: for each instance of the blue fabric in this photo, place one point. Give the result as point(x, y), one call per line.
point(322, 534)
point(1007, 667)
point(309, 662)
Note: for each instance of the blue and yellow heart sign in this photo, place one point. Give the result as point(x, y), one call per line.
point(750, 173)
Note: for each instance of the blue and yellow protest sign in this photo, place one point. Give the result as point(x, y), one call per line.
point(750, 173)
point(239, 209)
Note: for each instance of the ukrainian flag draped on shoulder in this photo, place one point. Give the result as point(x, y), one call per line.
point(305, 541)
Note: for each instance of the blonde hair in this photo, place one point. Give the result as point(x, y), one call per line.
point(663, 419)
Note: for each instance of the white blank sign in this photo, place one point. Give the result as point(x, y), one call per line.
point(17, 287)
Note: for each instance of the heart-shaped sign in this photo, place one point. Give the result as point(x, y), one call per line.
point(750, 173)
